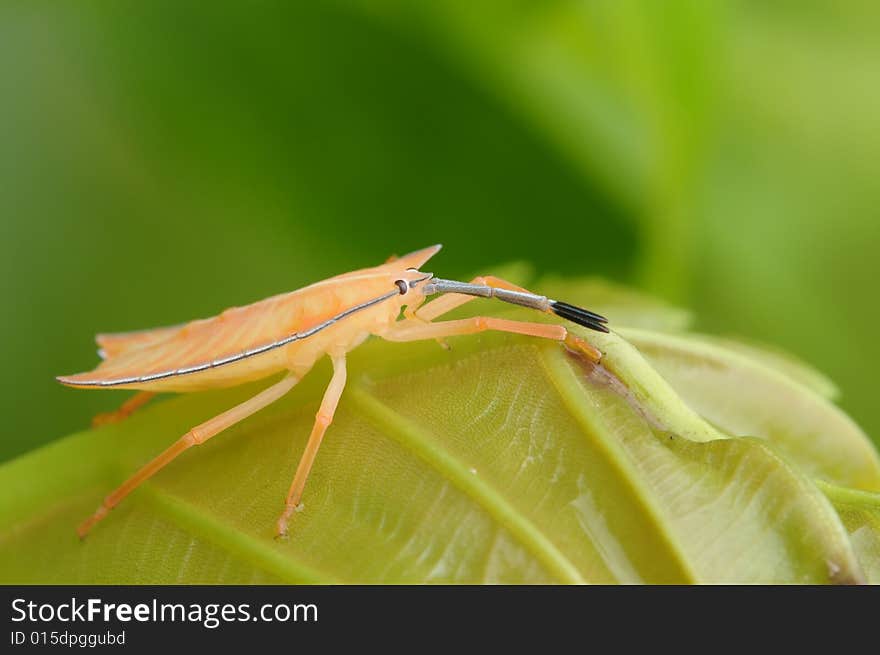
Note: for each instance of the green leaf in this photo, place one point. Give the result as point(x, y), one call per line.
point(744, 394)
point(860, 513)
point(506, 459)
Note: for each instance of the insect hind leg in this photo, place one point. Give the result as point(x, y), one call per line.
point(198, 435)
point(125, 410)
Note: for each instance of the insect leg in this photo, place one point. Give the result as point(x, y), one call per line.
point(414, 331)
point(125, 410)
point(446, 303)
point(322, 422)
point(198, 435)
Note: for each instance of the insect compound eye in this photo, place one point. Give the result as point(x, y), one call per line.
point(402, 285)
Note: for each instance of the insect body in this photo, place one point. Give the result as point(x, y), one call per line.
point(289, 333)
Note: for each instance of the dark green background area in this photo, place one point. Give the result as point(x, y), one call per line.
point(161, 161)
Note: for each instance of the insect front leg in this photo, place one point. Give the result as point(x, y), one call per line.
point(445, 304)
point(198, 435)
point(125, 410)
point(413, 331)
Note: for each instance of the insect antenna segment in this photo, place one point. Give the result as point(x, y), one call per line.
point(564, 310)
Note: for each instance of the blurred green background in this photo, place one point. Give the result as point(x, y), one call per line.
point(160, 161)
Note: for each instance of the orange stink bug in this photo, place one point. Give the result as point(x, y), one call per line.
point(289, 333)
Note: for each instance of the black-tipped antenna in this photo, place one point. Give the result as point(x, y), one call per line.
point(569, 312)
point(579, 315)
